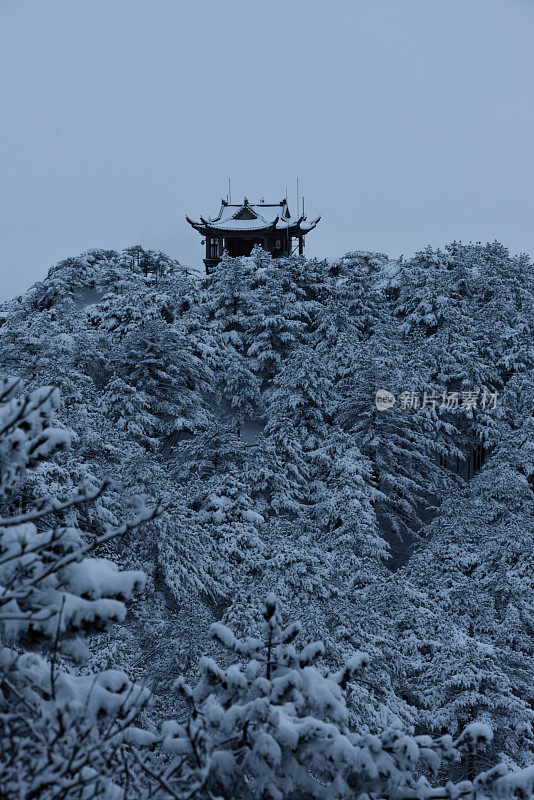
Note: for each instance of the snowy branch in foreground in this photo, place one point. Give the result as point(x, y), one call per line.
point(276, 727)
point(62, 735)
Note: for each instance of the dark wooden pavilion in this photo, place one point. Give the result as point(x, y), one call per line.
point(238, 228)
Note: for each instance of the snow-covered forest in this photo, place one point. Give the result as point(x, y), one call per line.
point(226, 571)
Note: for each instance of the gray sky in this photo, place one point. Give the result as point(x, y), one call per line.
point(408, 122)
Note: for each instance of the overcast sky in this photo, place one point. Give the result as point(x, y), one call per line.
point(408, 122)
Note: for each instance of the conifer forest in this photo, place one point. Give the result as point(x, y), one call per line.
point(267, 534)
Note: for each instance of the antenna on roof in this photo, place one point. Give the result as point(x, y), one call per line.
point(229, 191)
point(297, 206)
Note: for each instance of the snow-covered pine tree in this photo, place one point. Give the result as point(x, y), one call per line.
point(61, 733)
point(477, 567)
point(345, 519)
point(160, 360)
point(466, 315)
point(230, 298)
point(404, 443)
point(273, 726)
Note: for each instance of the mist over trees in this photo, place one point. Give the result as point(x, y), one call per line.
point(225, 572)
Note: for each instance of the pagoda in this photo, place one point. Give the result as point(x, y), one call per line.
point(238, 228)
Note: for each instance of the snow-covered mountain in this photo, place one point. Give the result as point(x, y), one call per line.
point(243, 406)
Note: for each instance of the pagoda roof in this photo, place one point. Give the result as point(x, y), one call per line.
point(254, 217)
